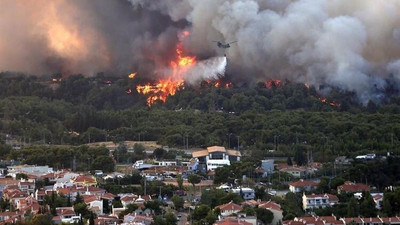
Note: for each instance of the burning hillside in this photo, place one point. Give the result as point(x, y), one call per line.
point(351, 46)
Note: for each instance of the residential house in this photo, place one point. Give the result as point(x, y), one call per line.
point(94, 203)
point(128, 199)
point(343, 162)
point(351, 187)
point(229, 208)
point(302, 185)
point(332, 220)
point(106, 220)
point(275, 208)
point(136, 219)
point(65, 213)
point(232, 221)
point(84, 180)
point(27, 186)
point(29, 170)
point(246, 193)
point(319, 201)
point(11, 217)
point(295, 171)
point(215, 156)
point(378, 199)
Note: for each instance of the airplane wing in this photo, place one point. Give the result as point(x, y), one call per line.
point(232, 42)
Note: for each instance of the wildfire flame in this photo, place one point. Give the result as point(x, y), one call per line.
point(323, 99)
point(273, 82)
point(132, 75)
point(166, 87)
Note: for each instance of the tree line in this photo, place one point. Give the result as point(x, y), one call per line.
point(81, 110)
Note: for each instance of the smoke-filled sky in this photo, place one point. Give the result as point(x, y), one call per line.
point(353, 45)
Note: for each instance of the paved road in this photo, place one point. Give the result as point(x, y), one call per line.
point(183, 218)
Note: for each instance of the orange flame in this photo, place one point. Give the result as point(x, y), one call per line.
point(273, 82)
point(132, 75)
point(166, 87)
point(326, 101)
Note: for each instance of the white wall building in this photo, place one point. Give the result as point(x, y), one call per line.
point(29, 169)
point(215, 156)
point(319, 201)
point(247, 193)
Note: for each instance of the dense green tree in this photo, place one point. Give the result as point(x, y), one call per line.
point(200, 212)
point(82, 209)
point(194, 179)
point(222, 174)
point(179, 180)
point(178, 202)
point(170, 218)
point(153, 205)
point(367, 206)
point(42, 219)
point(264, 215)
point(104, 163)
point(20, 176)
point(353, 208)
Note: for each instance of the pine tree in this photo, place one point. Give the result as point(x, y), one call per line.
point(353, 209)
point(367, 206)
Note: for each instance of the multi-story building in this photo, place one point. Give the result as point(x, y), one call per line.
point(214, 157)
point(319, 201)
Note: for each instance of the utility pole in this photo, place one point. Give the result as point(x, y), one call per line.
point(145, 181)
point(187, 141)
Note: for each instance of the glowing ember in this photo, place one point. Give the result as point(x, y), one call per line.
point(132, 75)
point(273, 82)
point(128, 91)
point(55, 80)
point(166, 87)
point(325, 101)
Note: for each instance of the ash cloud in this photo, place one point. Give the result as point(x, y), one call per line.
point(353, 45)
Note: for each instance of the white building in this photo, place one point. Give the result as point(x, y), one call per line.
point(302, 185)
point(319, 201)
point(166, 163)
point(215, 156)
point(29, 169)
point(246, 193)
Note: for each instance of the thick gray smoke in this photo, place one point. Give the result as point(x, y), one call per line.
point(206, 69)
point(353, 45)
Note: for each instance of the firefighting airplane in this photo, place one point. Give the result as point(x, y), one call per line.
point(222, 45)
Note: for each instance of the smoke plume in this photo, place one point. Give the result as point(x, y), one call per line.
point(206, 69)
point(353, 45)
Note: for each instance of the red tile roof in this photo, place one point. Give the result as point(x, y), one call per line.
point(270, 205)
point(332, 198)
point(231, 221)
point(303, 183)
point(372, 220)
point(84, 179)
point(230, 206)
point(353, 187)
